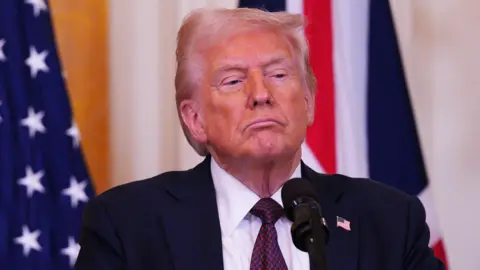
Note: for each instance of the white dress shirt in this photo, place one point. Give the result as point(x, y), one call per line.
point(240, 228)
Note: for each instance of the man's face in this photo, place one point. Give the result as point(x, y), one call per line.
point(253, 101)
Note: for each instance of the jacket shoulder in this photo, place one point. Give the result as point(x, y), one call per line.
point(138, 196)
point(369, 190)
point(369, 197)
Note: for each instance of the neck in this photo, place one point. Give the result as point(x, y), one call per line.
point(265, 176)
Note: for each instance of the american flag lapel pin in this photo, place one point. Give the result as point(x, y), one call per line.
point(343, 223)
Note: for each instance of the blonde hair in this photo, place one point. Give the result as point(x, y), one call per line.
point(203, 27)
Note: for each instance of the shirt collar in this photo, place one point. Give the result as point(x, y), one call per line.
point(234, 200)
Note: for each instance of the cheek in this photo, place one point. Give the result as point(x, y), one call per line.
point(297, 110)
point(223, 113)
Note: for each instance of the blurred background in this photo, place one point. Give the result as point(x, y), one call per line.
point(397, 101)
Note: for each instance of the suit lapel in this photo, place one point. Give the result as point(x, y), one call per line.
point(192, 223)
point(342, 247)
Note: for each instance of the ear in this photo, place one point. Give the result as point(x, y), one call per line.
point(190, 111)
point(310, 106)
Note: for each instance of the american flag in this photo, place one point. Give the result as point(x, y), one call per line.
point(44, 181)
point(343, 223)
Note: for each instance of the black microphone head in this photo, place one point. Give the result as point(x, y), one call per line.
point(303, 209)
point(294, 191)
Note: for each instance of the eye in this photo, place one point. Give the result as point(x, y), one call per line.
point(278, 75)
point(232, 82)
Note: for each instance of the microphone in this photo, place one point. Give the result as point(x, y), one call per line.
point(309, 229)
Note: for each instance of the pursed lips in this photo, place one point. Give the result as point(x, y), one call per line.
point(263, 122)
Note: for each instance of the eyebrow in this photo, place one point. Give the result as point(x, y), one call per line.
point(275, 60)
point(241, 66)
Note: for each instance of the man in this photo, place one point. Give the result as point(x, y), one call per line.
point(245, 96)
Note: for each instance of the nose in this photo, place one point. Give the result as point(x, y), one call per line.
point(259, 94)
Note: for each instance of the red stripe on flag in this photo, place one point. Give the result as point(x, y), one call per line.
point(321, 135)
point(439, 252)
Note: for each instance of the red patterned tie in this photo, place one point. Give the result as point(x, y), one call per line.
point(266, 252)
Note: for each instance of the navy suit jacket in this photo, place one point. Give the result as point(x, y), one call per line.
point(171, 222)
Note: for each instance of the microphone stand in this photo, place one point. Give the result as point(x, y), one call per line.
point(316, 241)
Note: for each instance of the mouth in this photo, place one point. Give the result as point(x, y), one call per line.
point(263, 123)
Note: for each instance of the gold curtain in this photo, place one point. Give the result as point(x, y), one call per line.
point(81, 34)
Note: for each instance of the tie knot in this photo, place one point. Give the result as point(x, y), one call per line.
point(268, 210)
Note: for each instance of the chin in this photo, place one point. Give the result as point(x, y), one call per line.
point(269, 147)
point(272, 152)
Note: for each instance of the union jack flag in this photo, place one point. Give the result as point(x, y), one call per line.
point(364, 122)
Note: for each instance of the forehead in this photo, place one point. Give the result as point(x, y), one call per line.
point(254, 47)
